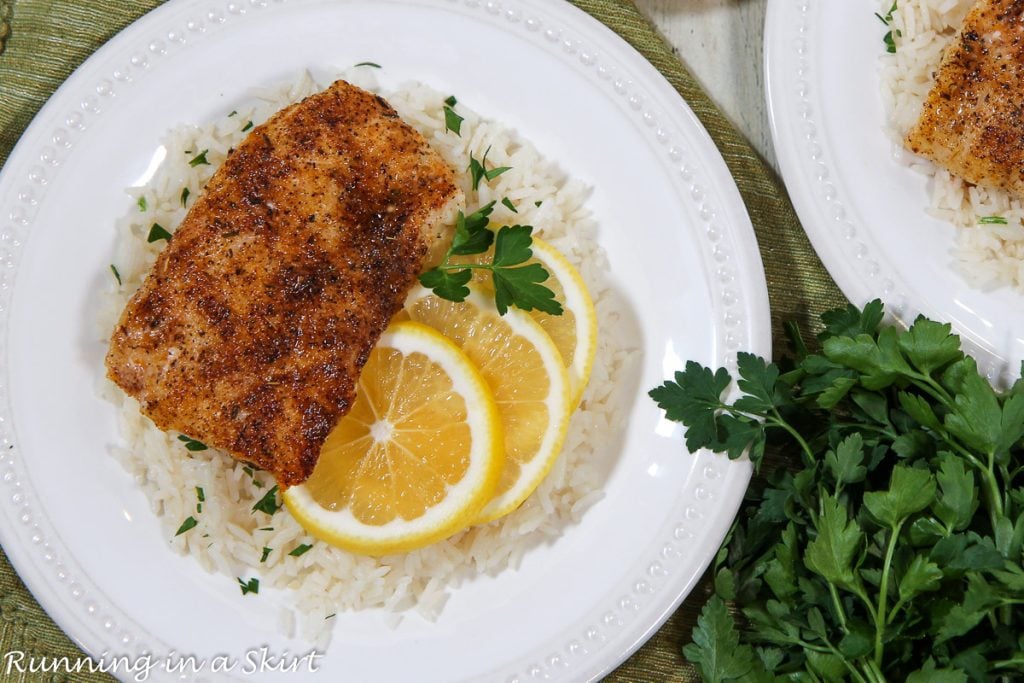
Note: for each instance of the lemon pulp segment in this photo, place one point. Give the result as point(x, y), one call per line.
point(415, 459)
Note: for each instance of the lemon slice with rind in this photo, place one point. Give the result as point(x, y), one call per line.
point(575, 331)
point(416, 458)
point(527, 377)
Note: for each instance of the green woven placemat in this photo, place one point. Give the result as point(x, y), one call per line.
point(42, 41)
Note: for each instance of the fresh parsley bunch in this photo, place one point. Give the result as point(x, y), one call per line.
point(893, 552)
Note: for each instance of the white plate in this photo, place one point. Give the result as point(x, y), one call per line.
point(682, 253)
point(863, 209)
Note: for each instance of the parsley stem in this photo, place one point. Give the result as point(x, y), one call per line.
point(929, 385)
point(778, 421)
point(461, 266)
point(837, 603)
point(873, 672)
point(1014, 663)
point(883, 591)
point(992, 491)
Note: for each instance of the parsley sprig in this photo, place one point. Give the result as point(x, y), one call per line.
point(479, 172)
point(516, 282)
point(893, 551)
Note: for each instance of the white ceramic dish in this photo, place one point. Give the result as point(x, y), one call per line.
point(683, 257)
point(864, 208)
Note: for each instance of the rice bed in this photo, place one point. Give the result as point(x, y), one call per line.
point(229, 538)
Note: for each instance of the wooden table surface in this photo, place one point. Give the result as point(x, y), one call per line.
point(720, 41)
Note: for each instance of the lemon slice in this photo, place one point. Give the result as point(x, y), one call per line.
point(525, 372)
point(575, 331)
point(415, 459)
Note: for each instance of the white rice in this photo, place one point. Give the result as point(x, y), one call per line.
point(988, 255)
point(229, 537)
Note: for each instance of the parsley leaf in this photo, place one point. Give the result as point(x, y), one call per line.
point(156, 233)
point(478, 170)
point(250, 586)
point(888, 38)
point(199, 159)
point(185, 192)
point(716, 649)
point(447, 284)
point(839, 539)
point(266, 553)
point(300, 550)
point(520, 286)
point(471, 233)
point(189, 523)
point(268, 503)
point(191, 444)
point(117, 275)
point(452, 121)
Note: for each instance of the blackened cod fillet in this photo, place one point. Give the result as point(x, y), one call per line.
point(972, 122)
point(252, 328)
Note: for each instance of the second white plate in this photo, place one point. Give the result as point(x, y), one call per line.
point(862, 208)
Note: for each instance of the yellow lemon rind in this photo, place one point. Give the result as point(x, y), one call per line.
point(464, 500)
point(558, 402)
point(577, 299)
point(560, 408)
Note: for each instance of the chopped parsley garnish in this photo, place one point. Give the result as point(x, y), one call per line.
point(234, 112)
point(117, 275)
point(889, 38)
point(200, 494)
point(200, 159)
point(992, 220)
point(515, 284)
point(185, 192)
point(478, 170)
point(330, 616)
point(141, 203)
point(252, 474)
point(157, 232)
point(247, 127)
point(191, 444)
point(373, 64)
point(250, 586)
point(537, 204)
point(266, 553)
point(452, 121)
point(268, 503)
point(189, 523)
point(509, 205)
point(266, 528)
point(300, 550)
